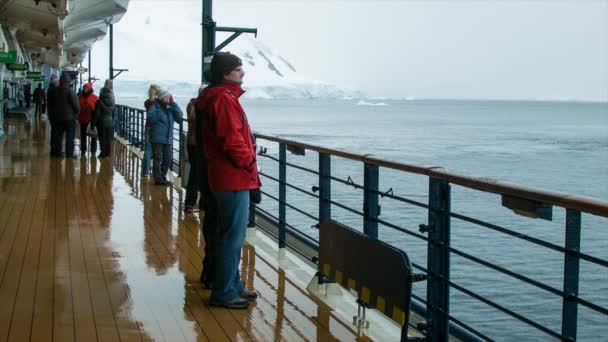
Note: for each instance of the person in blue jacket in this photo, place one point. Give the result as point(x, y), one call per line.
point(163, 113)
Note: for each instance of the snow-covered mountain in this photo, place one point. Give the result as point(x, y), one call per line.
point(268, 75)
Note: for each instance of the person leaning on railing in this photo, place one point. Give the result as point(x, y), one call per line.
point(103, 119)
point(163, 113)
point(232, 168)
point(152, 95)
point(194, 157)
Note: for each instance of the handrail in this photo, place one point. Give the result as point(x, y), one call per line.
point(583, 203)
point(436, 233)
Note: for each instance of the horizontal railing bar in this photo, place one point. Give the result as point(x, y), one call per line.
point(382, 194)
point(416, 266)
point(504, 310)
point(269, 157)
point(403, 199)
point(591, 306)
point(302, 190)
point(286, 243)
point(403, 230)
point(292, 228)
point(292, 207)
point(353, 184)
point(565, 200)
point(267, 176)
point(468, 328)
point(295, 166)
point(529, 238)
point(346, 208)
point(507, 272)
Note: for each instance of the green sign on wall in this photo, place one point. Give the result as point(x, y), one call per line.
point(33, 75)
point(17, 67)
point(8, 57)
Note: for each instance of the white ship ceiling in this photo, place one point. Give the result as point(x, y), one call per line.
point(59, 33)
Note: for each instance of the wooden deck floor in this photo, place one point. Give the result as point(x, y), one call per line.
point(89, 251)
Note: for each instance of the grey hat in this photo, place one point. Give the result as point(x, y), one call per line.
point(163, 94)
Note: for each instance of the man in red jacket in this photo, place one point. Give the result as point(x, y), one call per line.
point(88, 100)
point(232, 171)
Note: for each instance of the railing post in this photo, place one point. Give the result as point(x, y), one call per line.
point(181, 148)
point(132, 122)
point(282, 194)
point(123, 123)
point(438, 261)
point(324, 187)
point(144, 119)
point(371, 210)
point(142, 137)
point(571, 280)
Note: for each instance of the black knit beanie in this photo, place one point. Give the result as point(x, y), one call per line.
point(222, 64)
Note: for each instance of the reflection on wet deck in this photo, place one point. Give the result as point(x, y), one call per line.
point(89, 251)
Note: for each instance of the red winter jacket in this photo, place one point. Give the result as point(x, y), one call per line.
point(87, 106)
point(227, 139)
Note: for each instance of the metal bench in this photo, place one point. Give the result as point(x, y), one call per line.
point(380, 273)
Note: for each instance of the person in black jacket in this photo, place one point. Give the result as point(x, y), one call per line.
point(55, 148)
point(103, 119)
point(39, 98)
point(64, 107)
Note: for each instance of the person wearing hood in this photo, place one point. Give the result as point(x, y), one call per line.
point(153, 91)
point(88, 101)
point(39, 99)
point(232, 171)
point(161, 116)
point(65, 109)
point(103, 119)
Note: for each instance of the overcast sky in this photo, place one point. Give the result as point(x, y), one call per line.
point(424, 49)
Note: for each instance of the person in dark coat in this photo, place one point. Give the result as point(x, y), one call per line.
point(65, 108)
point(163, 113)
point(103, 119)
point(194, 157)
point(55, 147)
point(39, 98)
point(28, 95)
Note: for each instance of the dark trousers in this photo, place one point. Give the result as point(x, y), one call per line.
point(106, 134)
point(192, 189)
point(38, 108)
point(161, 153)
point(65, 128)
point(55, 146)
point(209, 225)
point(83, 140)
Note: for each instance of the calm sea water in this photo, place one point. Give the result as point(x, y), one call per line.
point(556, 146)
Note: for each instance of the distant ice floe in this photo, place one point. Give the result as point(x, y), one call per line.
point(366, 103)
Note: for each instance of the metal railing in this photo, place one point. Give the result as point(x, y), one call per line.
point(435, 233)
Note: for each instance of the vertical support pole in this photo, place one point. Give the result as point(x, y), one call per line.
point(111, 51)
point(282, 194)
point(181, 148)
point(89, 65)
point(324, 187)
point(80, 77)
point(370, 200)
point(571, 280)
point(207, 36)
point(438, 260)
point(143, 129)
point(133, 122)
